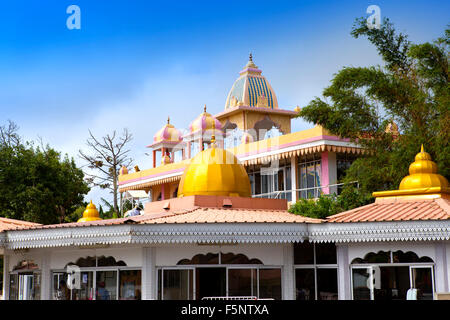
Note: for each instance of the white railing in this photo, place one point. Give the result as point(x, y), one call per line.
point(315, 190)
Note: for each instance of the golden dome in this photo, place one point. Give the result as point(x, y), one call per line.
point(297, 109)
point(168, 133)
point(423, 180)
point(90, 214)
point(423, 174)
point(215, 172)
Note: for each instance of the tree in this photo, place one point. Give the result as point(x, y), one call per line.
point(107, 156)
point(411, 89)
point(327, 205)
point(9, 135)
point(38, 185)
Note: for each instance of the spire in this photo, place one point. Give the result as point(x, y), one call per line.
point(168, 120)
point(204, 108)
point(250, 63)
point(421, 148)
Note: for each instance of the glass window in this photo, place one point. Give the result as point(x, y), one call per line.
point(326, 253)
point(86, 290)
point(60, 289)
point(361, 284)
point(130, 284)
point(327, 284)
point(13, 286)
point(310, 179)
point(106, 285)
point(304, 253)
point(241, 282)
point(177, 285)
point(305, 284)
point(270, 283)
point(288, 183)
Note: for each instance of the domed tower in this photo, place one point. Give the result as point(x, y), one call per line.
point(251, 89)
point(201, 131)
point(252, 105)
point(215, 172)
point(167, 140)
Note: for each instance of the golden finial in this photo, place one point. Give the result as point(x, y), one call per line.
point(213, 136)
point(204, 108)
point(421, 148)
point(250, 58)
point(168, 120)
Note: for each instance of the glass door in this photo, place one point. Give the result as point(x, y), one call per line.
point(421, 278)
point(25, 287)
point(177, 284)
point(362, 283)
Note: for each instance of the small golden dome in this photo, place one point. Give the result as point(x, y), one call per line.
point(166, 160)
point(247, 138)
point(90, 214)
point(123, 170)
point(215, 172)
point(423, 174)
point(297, 109)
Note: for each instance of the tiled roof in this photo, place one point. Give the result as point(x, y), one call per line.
point(395, 210)
point(12, 224)
point(222, 215)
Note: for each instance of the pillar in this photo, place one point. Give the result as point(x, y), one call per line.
point(294, 183)
point(344, 290)
point(163, 192)
point(441, 268)
point(5, 276)
point(329, 172)
point(288, 289)
point(154, 158)
point(45, 276)
point(149, 285)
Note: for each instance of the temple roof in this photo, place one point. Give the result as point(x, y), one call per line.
point(251, 89)
point(13, 224)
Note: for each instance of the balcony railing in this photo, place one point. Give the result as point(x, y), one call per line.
point(305, 193)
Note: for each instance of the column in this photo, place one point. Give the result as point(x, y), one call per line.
point(45, 276)
point(441, 268)
point(149, 285)
point(294, 184)
point(163, 192)
point(5, 276)
point(288, 290)
point(344, 291)
point(329, 172)
point(154, 158)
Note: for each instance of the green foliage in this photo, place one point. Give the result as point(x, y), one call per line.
point(411, 89)
point(39, 185)
point(327, 205)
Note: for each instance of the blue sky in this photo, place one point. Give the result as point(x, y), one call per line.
point(133, 63)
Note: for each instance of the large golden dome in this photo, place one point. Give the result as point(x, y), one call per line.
point(215, 172)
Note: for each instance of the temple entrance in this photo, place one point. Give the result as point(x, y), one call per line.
point(210, 282)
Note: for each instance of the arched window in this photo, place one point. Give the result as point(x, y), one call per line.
point(225, 258)
point(233, 138)
point(392, 257)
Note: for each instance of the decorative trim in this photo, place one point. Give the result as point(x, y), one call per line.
point(152, 234)
point(227, 233)
point(380, 231)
